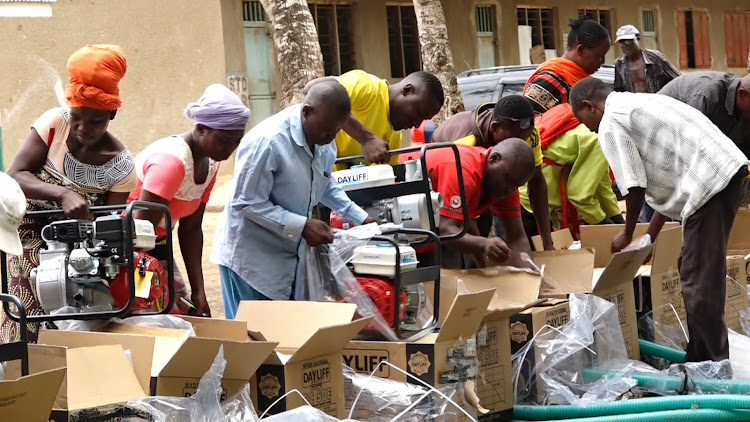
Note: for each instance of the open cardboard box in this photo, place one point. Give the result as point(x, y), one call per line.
point(169, 362)
point(310, 337)
point(98, 381)
point(562, 240)
point(574, 271)
point(30, 397)
point(657, 287)
point(524, 326)
point(427, 358)
point(599, 238)
point(514, 292)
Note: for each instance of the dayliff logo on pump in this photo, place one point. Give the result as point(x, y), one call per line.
point(365, 363)
point(316, 373)
point(360, 176)
point(519, 332)
point(419, 363)
point(269, 386)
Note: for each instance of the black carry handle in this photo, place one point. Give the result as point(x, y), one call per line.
point(18, 350)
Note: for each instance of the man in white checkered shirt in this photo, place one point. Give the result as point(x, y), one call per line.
point(670, 155)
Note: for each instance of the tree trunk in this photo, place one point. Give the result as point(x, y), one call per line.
point(297, 47)
point(436, 54)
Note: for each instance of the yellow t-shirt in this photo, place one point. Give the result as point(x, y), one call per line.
point(369, 97)
point(532, 140)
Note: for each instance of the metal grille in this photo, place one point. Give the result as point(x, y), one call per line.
point(601, 16)
point(252, 11)
point(542, 25)
point(334, 24)
point(649, 21)
point(485, 19)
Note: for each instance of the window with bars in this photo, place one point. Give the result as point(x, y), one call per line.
point(486, 20)
point(542, 23)
point(334, 25)
point(648, 34)
point(737, 37)
point(403, 41)
point(252, 11)
point(602, 16)
point(694, 40)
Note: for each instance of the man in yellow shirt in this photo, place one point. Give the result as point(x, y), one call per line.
point(380, 111)
point(577, 175)
point(492, 123)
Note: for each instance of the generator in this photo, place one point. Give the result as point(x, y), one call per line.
point(100, 268)
point(388, 268)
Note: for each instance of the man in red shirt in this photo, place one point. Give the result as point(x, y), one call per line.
point(491, 181)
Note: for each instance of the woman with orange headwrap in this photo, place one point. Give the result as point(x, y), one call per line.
point(69, 160)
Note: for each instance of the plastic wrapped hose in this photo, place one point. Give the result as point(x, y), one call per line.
point(692, 415)
point(657, 350)
point(644, 405)
point(670, 383)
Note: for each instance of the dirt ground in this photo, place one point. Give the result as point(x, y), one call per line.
point(210, 271)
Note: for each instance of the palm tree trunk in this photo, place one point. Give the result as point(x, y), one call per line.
point(298, 51)
point(436, 54)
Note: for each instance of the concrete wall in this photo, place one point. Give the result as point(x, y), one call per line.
point(173, 53)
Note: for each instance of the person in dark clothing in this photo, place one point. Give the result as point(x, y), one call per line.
point(640, 69)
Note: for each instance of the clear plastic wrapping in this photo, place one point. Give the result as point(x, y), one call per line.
point(670, 332)
point(330, 280)
point(370, 398)
point(156, 321)
point(203, 406)
point(592, 339)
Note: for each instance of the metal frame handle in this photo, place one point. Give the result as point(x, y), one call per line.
point(129, 252)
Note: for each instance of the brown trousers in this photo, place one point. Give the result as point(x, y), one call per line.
point(703, 269)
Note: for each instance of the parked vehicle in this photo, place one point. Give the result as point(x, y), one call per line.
point(487, 85)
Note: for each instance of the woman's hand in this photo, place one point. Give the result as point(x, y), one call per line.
point(201, 304)
point(75, 206)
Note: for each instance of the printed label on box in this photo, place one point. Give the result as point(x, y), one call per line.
point(269, 386)
point(419, 363)
point(519, 332)
point(365, 361)
point(316, 373)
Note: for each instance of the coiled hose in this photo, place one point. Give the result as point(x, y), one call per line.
point(644, 405)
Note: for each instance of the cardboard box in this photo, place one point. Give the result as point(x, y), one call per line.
point(30, 397)
point(562, 240)
point(98, 381)
point(427, 358)
point(514, 292)
point(736, 299)
point(657, 288)
point(169, 362)
point(599, 238)
point(310, 338)
point(525, 325)
point(573, 271)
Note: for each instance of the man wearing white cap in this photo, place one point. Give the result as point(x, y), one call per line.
point(12, 210)
point(640, 69)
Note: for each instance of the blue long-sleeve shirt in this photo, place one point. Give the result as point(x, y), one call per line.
point(277, 183)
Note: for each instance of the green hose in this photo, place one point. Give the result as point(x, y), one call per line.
point(644, 405)
point(670, 383)
point(713, 415)
point(650, 348)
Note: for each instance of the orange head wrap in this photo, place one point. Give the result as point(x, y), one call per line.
point(95, 71)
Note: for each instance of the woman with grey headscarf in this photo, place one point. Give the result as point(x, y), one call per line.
point(180, 171)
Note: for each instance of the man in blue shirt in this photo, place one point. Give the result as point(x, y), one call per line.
point(282, 171)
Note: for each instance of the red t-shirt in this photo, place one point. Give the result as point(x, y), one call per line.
point(441, 164)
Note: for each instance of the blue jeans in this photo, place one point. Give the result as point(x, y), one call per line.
point(235, 289)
